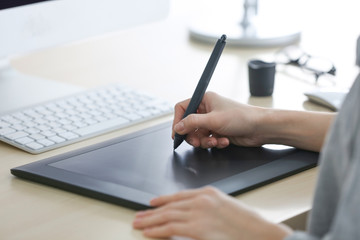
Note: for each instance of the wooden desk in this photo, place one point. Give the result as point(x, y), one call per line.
point(161, 59)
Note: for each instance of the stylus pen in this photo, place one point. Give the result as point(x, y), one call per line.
point(202, 85)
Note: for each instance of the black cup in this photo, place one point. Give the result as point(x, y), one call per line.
point(261, 77)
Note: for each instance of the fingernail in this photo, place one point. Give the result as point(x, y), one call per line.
point(179, 127)
point(152, 202)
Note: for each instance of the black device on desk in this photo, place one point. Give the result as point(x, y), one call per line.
point(131, 170)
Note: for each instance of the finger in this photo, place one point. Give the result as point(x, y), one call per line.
point(208, 142)
point(182, 204)
point(168, 230)
point(182, 195)
point(222, 142)
point(193, 122)
point(144, 213)
point(214, 140)
point(160, 218)
point(180, 109)
point(195, 138)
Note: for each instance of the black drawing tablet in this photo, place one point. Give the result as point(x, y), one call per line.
point(131, 170)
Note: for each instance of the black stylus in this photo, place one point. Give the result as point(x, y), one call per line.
point(202, 85)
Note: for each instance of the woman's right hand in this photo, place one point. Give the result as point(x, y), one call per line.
point(221, 121)
point(218, 122)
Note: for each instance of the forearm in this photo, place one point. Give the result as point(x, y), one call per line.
point(301, 129)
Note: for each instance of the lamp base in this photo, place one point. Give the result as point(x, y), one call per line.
point(260, 34)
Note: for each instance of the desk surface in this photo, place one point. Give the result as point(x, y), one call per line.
point(147, 57)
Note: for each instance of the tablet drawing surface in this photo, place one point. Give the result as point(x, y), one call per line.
point(132, 169)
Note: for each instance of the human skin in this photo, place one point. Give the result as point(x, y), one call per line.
point(221, 121)
point(207, 213)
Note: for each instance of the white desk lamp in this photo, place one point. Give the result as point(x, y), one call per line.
point(252, 31)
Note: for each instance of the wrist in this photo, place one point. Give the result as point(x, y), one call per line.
point(273, 126)
point(267, 230)
point(276, 231)
point(300, 129)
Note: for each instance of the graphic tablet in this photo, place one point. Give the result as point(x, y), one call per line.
point(130, 170)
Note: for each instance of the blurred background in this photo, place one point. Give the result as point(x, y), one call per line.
point(328, 30)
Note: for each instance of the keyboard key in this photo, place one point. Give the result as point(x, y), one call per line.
point(10, 119)
point(22, 117)
point(40, 120)
point(37, 136)
point(100, 118)
point(43, 127)
point(18, 127)
point(24, 140)
point(6, 131)
point(46, 142)
point(32, 130)
point(54, 125)
point(30, 124)
point(16, 135)
point(4, 124)
point(90, 121)
point(31, 113)
point(48, 133)
point(64, 121)
point(68, 135)
point(146, 113)
point(59, 130)
point(133, 117)
point(57, 139)
point(34, 145)
point(69, 127)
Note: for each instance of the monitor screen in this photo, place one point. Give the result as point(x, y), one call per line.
point(33, 25)
point(26, 27)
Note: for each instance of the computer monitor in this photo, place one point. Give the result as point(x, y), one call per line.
point(32, 25)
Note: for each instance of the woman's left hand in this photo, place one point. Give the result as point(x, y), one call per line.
point(207, 214)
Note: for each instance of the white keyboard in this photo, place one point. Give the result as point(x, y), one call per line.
point(90, 113)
